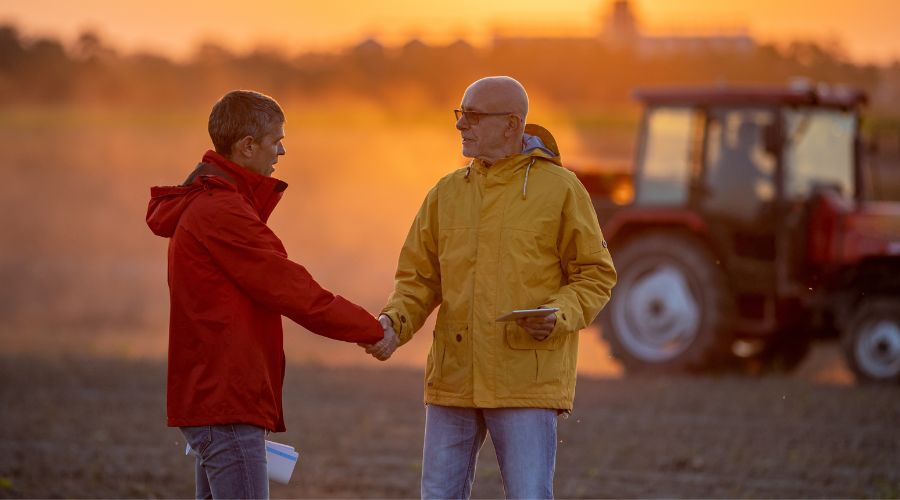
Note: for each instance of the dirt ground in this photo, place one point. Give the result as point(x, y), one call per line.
point(94, 427)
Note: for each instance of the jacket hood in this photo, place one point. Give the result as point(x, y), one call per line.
point(538, 141)
point(168, 203)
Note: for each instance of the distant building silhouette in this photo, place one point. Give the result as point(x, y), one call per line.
point(621, 29)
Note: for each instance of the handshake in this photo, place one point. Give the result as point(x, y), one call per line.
point(383, 349)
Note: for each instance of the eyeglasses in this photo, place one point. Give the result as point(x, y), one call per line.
point(474, 117)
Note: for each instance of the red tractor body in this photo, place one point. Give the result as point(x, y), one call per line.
point(749, 232)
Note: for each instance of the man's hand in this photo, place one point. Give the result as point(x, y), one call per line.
point(539, 327)
point(384, 348)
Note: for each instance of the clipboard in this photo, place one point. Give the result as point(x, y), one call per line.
point(525, 313)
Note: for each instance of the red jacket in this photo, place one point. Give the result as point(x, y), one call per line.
point(230, 281)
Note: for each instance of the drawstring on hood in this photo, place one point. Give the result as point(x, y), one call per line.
point(525, 184)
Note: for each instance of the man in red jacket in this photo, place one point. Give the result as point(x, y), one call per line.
point(230, 281)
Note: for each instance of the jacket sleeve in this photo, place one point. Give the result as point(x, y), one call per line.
point(417, 283)
point(586, 262)
point(249, 253)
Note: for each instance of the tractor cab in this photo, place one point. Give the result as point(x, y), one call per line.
point(746, 164)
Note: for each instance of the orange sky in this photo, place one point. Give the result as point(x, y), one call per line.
point(866, 28)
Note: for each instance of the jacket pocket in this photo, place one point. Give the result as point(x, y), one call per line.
point(518, 338)
point(198, 437)
point(532, 367)
point(451, 359)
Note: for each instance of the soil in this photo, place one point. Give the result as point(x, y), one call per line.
point(95, 427)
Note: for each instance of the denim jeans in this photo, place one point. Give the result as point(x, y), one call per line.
point(524, 439)
point(231, 460)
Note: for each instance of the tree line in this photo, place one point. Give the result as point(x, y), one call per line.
point(574, 73)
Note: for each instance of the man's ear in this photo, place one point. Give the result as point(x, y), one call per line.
point(513, 124)
point(244, 146)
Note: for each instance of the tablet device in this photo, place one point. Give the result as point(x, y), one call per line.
point(524, 313)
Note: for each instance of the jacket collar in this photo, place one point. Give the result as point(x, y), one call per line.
point(503, 168)
point(263, 193)
point(537, 142)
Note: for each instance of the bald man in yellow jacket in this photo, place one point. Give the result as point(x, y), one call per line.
point(512, 230)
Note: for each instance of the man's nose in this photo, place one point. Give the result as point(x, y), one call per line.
point(462, 123)
point(281, 150)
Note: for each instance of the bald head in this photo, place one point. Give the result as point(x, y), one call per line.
point(499, 94)
point(493, 126)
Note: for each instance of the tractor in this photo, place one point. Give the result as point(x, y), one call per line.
point(750, 231)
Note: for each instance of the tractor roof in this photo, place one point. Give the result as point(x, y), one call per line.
point(823, 96)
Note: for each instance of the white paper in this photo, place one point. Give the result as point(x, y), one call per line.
point(525, 313)
point(281, 460)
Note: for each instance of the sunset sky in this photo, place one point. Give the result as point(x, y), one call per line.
point(867, 29)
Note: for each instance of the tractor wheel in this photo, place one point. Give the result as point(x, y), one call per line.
point(671, 309)
point(872, 340)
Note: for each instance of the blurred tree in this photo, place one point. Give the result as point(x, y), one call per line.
point(46, 72)
point(11, 50)
point(89, 48)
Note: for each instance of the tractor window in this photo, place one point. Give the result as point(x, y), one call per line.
point(740, 173)
point(667, 156)
point(819, 152)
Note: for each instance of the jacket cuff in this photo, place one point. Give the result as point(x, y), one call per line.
point(562, 322)
point(400, 323)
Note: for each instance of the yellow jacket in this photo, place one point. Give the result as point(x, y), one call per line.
point(520, 234)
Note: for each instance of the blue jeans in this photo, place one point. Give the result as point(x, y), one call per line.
point(231, 460)
point(524, 439)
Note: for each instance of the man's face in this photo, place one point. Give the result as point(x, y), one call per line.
point(483, 136)
point(265, 152)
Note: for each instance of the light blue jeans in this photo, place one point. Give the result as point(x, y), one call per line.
point(231, 460)
point(524, 439)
